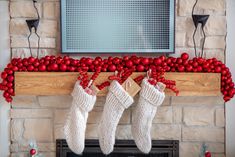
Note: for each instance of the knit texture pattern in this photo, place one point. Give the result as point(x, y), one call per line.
point(143, 114)
point(75, 124)
point(117, 101)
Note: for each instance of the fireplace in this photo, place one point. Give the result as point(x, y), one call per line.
point(123, 148)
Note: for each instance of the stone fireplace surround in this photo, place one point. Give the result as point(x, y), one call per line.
point(191, 120)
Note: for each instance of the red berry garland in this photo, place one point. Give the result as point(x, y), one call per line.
point(139, 79)
point(128, 64)
point(117, 78)
point(83, 77)
point(103, 85)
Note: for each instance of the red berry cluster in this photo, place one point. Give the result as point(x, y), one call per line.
point(139, 79)
point(121, 76)
point(84, 78)
point(103, 85)
point(159, 77)
point(134, 63)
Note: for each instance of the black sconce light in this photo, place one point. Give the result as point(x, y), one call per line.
point(199, 19)
point(33, 23)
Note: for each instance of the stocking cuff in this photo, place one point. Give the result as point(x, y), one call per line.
point(120, 93)
point(151, 94)
point(82, 99)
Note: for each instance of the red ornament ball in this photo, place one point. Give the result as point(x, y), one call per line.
point(181, 68)
point(157, 61)
point(89, 61)
point(95, 62)
point(31, 59)
point(36, 64)
point(10, 78)
point(163, 58)
point(33, 151)
point(207, 154)
point(145, 61)
point(30, 68)
point(6, 94)
point(140, 68)
point(67, 62)
point(63, 67)
point(232, 92)
point(112, 68)
point(129, 63)
point(54, 67)
point(4, 75)
point(125, 58)
point(184, 56)
point(42, 67)
point(9, 99)
point(217, 69)
point(116, 60)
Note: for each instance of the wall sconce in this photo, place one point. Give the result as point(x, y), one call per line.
point(199, 19)
point(33, 24)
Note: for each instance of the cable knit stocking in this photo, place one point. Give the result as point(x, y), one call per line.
point(143, 114)
point(116, 102)
point(75, 124)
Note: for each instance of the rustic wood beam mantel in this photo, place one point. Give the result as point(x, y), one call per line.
point(62, 83)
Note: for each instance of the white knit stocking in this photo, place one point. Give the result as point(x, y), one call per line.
point(116, 102)
point(143, 114)
point(75, 124)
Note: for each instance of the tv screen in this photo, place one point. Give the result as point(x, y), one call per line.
point(117, 26)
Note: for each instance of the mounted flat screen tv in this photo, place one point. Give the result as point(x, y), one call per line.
point(117, 26)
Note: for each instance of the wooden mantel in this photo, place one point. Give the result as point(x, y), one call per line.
point(62, 83)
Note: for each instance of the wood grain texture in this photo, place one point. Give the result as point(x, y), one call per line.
point(62, 83)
